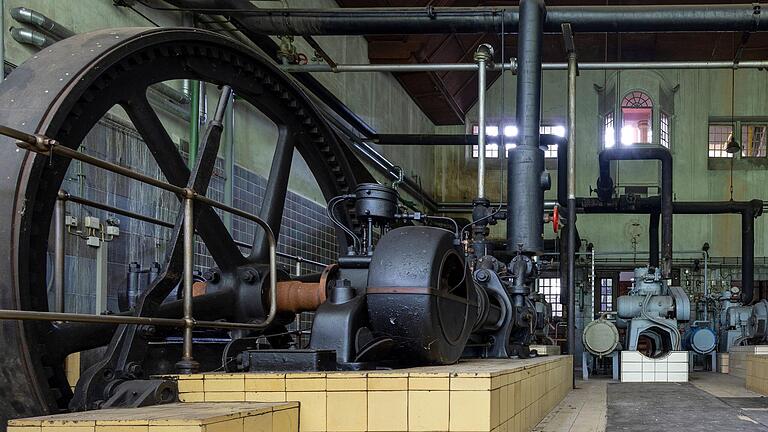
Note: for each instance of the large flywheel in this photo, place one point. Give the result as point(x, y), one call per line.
point(62, 93)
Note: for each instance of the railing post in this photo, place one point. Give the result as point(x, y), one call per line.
point(187, 364)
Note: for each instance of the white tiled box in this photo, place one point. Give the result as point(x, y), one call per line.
point(635, 367)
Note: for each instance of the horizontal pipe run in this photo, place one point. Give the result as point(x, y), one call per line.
point(397, 67)
point(444, 20)
point(446, 67)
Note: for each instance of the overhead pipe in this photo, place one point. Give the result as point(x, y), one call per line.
point(41, 22)
point(605, 189)
point(451, 67)
point(525, 164)
point(443, 20)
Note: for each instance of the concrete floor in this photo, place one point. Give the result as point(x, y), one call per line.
point(586, 408)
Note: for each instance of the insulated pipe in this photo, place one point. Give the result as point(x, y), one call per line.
point(525, 165)
point(41, 22)
point(605, 189)
point(443, 20)
point(653, 239)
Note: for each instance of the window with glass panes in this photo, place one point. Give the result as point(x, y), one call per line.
point(550, 288)
point(508, 136)
point(606, 295)
point(718, 136)
point(753, 140)
point(664, 130)
point(609, 133)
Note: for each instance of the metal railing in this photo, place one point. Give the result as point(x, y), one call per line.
point(47, 146)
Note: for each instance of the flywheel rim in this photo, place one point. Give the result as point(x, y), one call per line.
point(71, 70)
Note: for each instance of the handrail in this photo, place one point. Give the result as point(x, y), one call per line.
point(49, 147)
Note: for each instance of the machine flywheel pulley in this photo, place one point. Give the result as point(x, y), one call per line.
point(62, 93)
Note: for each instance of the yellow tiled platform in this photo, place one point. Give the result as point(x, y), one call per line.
point(180, 417)
point(757, 373)
point(477, 395)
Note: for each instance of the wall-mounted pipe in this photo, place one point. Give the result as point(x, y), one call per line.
point(605, 189)
point(443, 20)
point(41, 22)
point(30, 37)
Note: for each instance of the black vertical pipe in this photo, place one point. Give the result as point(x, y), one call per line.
point(605, 189)
point(748, 255)
point(653, 240)
point(525, 166)
point(562, 172)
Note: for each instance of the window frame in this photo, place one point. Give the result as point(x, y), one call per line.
point(552, 297)
point(720, 154)
point(745, 125)
point(653, 125)
point(472, 151)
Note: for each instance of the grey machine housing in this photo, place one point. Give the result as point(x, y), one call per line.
point(653, 309)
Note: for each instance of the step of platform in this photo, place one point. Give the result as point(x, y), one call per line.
point(178, 417)
point(507, 395)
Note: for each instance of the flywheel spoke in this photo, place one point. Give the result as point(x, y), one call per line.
point(210, 227)
point(274, 196)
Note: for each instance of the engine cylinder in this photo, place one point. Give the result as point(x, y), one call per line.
point(375, 201)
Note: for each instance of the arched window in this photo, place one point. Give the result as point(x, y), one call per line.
point(636, 118)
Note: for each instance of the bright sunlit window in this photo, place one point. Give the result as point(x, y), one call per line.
point(550, 288)
point(609, 133)
point(636, 119)
point(493, 140)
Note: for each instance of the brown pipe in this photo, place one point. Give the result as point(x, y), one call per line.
point(296, 296)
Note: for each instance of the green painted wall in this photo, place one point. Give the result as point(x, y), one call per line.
point(697, 96)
